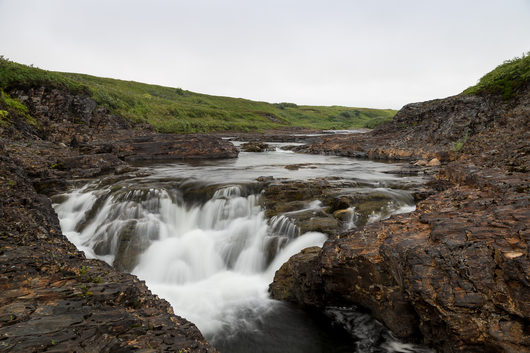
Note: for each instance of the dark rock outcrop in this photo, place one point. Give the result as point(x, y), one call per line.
point(72, 137)
point(51, 297)
point(256, 147)
point(54, 299)
point(455, 274)
point(54, 105)
point(486, 127)
point(156, 147)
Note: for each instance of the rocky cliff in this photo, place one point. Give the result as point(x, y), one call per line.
point(486, 128)
point(454, 274)
point(51, 297)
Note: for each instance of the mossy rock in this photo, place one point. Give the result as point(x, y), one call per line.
point(129, 248)
point(276, 208)
point(315, 221)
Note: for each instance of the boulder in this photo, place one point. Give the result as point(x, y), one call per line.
point(302, 287)
point(284, 196)
point(421, 163)
point(256, 147)
point(435, 162)
point(156, 147)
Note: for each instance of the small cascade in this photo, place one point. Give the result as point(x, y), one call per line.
point(284, 226)
point(196, 233)
point(209, 260)
point(282, 229)
point(351, 218)
point(393, 207)
point(366, 330)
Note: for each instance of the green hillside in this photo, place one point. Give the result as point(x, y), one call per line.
point(180, 111)
point(506, 79)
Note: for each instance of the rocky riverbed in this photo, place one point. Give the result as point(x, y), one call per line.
point(454, 274)
point(52, 298)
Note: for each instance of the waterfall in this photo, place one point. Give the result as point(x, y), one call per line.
point(211, 261)
point(196, 233)
point(284, 226)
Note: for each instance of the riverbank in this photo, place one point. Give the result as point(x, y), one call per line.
point(454, 273)
point(53, 298)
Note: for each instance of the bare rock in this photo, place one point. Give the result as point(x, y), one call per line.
point(155, 147)
point(435, 162)
point(299, 288)
point(256, 147)
point(53, 299)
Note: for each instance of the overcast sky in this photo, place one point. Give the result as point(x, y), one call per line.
point(380, 54)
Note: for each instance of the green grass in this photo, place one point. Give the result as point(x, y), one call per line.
point(14, 106)
point(4, 118)
point(176, 110)
point(457, 145)
point(506, 79)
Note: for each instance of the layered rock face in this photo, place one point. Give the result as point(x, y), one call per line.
point(454, 274)
point(74, 137)
point(51, 297)
point(484, 127)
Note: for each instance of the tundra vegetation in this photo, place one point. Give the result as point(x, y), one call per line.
point(177, 110)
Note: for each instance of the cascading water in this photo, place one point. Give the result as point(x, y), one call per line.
point(210, 261)
point(283, 225)
point(213, 254)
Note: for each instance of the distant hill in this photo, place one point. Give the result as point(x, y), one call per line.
point(180, 111)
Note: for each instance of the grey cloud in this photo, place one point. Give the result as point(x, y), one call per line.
point(357, 53)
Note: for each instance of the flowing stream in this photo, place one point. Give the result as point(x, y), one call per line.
point(198, 235)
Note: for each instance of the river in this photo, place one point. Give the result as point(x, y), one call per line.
point(197, 233)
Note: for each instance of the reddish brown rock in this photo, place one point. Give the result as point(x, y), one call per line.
point(455, 274)
point(303, 287)
point(53, 299)
point(155, 147)
point(256, 147)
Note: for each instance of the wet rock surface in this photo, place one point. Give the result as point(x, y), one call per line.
point(158, 147)
point(454, 274)
point(330, 206)
point(51, 297)
point(54, 299)
point(304, 287)
point(256, 147)
point(73, 137)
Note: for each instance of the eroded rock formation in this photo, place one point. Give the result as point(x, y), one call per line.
point(54, 299)
point(455, 274)
point(51, 297)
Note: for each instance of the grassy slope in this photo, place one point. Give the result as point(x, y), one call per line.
point(176, 110)
point(505, 79)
